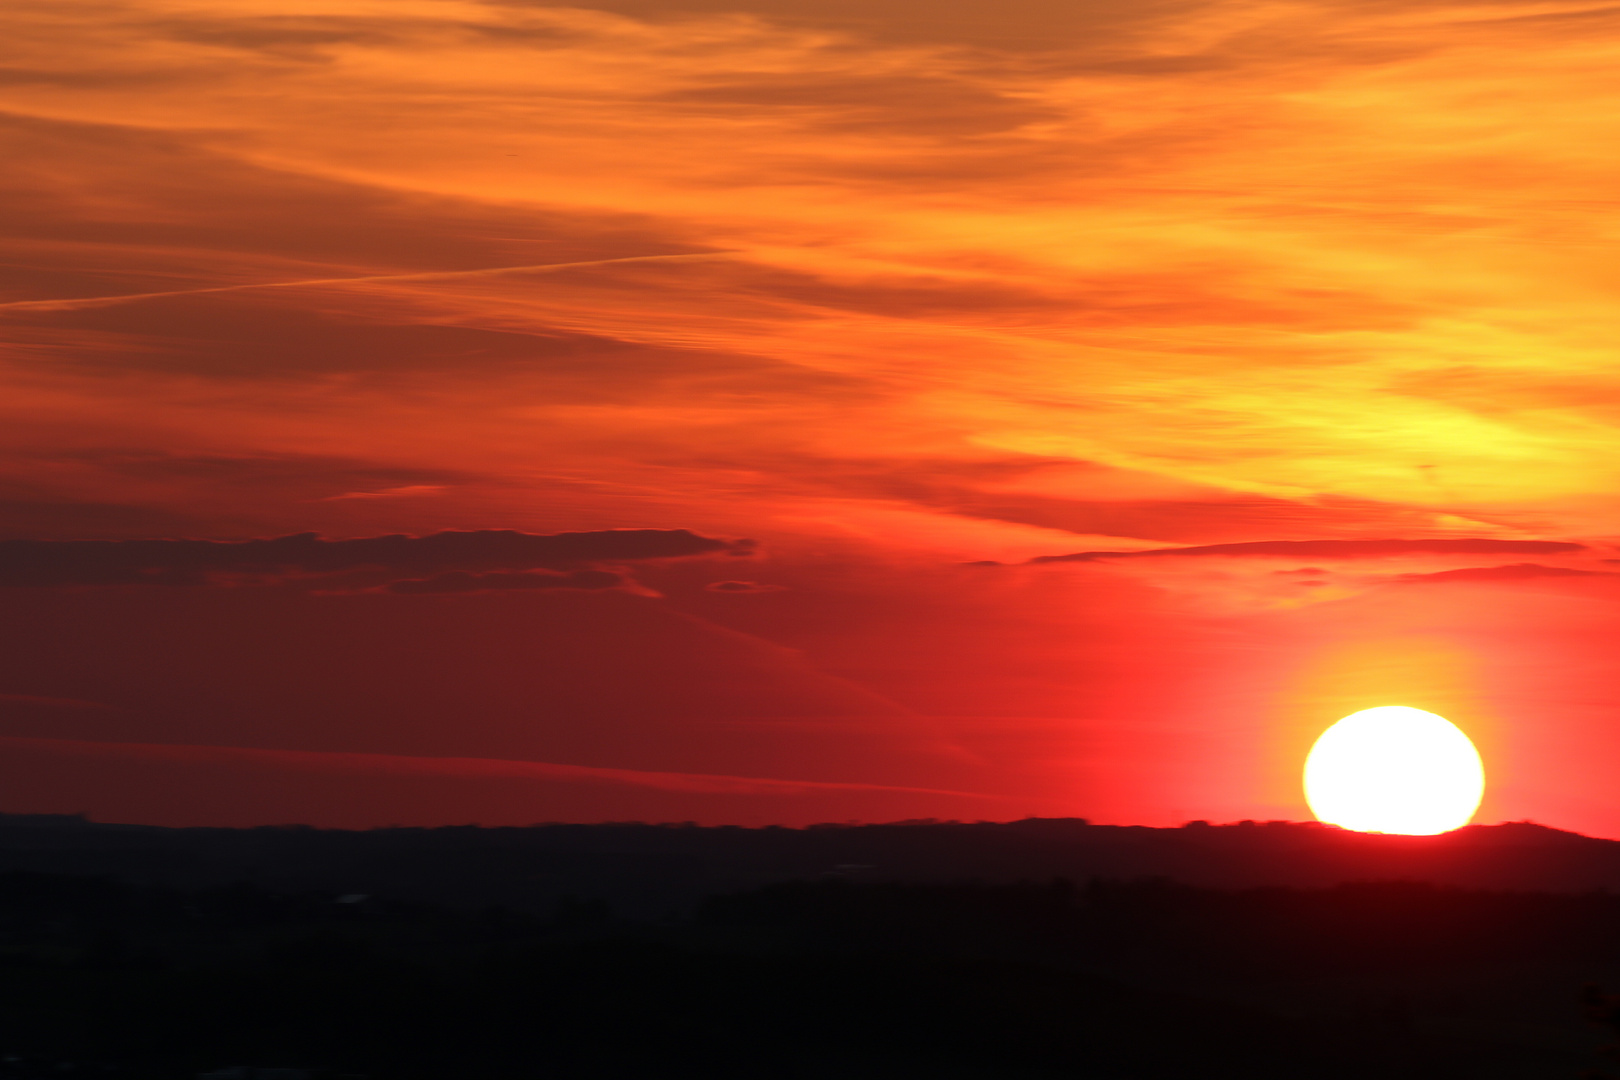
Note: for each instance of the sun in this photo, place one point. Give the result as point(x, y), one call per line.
point(1394, 769)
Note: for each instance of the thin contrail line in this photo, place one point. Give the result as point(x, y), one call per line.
point(434, 275)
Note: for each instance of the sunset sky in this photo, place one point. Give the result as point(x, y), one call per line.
point(1302, 314)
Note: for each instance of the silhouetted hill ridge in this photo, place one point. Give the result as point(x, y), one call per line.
point(649, 869)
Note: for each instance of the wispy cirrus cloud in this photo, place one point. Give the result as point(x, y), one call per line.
point(1122, 243)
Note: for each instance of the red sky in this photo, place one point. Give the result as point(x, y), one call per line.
point(891, 288)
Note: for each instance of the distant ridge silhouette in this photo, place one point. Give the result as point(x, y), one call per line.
point(652, 868)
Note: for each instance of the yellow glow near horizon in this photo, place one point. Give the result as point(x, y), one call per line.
point(1394, 769)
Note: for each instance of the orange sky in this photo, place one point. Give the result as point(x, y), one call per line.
point(890, 286)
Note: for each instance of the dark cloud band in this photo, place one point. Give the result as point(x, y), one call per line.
point(1336, 549)
point(470, 554)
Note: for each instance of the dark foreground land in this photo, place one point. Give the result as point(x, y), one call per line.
point(684, 952)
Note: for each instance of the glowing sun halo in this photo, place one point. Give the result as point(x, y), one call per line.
point(1394, 770)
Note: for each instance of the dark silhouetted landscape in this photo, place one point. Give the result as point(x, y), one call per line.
point(1032, 949)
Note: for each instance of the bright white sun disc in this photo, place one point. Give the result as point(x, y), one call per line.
point(1394, 769)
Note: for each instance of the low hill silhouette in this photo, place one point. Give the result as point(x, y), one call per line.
point(650, 870)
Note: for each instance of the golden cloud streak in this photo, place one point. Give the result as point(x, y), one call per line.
point(1297, 249)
